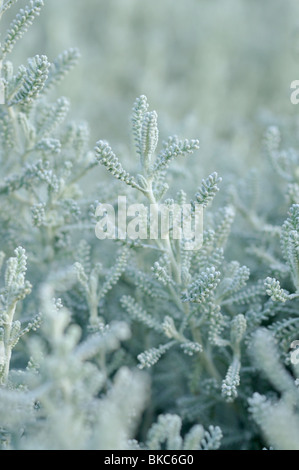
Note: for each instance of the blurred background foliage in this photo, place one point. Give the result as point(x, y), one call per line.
point(215, 70)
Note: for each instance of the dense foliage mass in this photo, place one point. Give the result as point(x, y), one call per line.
point(139, 344)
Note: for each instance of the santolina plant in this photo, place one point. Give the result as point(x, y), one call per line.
point(144, 333)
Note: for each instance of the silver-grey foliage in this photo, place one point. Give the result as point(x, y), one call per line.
point(80, 317)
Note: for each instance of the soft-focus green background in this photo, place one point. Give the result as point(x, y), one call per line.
point(217, 70)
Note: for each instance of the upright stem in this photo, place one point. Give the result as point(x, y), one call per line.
point(206, 356)
point(14, 122)
point(165, 241)
point(5, 345)
point(207, 360)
